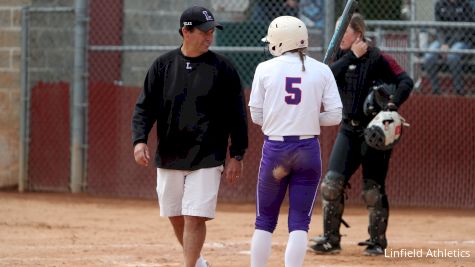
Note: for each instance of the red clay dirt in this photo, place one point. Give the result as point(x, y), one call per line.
point(52, 229)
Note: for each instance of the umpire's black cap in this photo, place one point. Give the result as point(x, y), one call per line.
point(199, 17)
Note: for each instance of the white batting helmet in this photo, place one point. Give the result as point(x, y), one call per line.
point(286, 33)
point(384, 131)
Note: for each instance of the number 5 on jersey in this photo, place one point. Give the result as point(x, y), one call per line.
point(295, 93)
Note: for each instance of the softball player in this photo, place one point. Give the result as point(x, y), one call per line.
point(288, 92)
point(358, 67)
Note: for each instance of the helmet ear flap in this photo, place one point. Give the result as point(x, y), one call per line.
point(274, 48)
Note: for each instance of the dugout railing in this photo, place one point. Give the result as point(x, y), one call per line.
point(409, 40)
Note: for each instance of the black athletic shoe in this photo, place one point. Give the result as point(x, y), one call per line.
point(375, 250)
point(372, 249)
point(323, 246)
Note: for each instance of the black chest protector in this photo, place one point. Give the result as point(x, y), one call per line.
point(356, 83)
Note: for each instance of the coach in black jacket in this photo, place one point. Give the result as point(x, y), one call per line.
point(196, 98)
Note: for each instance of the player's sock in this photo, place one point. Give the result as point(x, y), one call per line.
point(261, 245)
point(201, 262)
point(296, 248)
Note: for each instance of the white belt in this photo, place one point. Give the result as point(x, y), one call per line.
point(281, 138)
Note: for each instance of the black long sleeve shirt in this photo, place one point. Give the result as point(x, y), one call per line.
point(198, 104)
point(355, 77)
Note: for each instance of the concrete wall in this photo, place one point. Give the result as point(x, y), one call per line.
point(51, 59)
point(151, 23)
point(10, 32)
point(51, 43)
point(425, 9)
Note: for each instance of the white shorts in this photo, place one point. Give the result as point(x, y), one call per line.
point(190, 193)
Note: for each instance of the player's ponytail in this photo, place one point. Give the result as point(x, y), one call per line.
point(302, 57)
point(302, 53)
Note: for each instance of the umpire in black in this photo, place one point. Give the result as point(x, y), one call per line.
point(359, 66)
point(196, 98)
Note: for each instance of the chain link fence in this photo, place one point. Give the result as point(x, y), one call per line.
point(48, 59)
point(125, 37)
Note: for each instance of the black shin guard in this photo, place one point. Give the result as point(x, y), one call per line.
point(333, 205)
point(378, 208)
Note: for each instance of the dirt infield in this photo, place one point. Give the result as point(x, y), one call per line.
point(39, 229)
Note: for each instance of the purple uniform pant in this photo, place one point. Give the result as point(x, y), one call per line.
point(300, 162)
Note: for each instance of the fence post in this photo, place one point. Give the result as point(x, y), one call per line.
point(79, 99)
point(412, 41)
point(25, 101)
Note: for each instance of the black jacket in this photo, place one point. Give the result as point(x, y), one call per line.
point(198, 104)
point(356, 76)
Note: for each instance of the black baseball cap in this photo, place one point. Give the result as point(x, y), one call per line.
point(199, 17)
